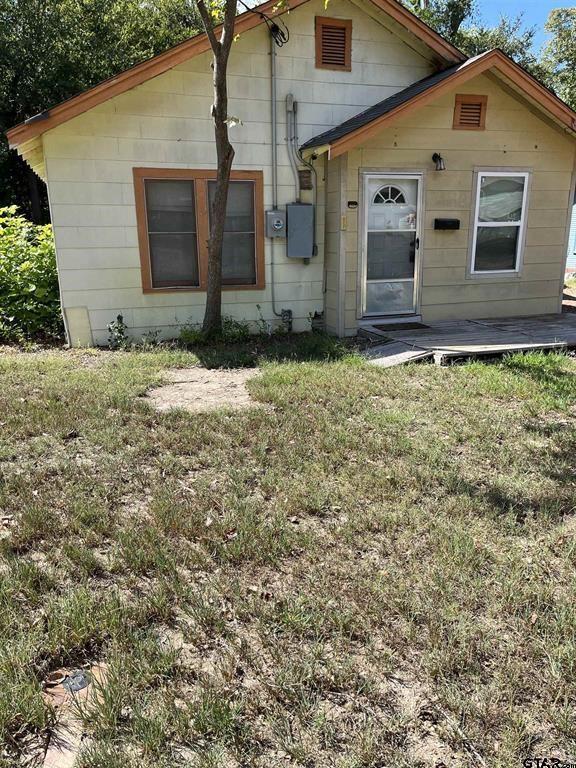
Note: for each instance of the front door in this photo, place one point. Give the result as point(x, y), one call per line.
point(390, 244)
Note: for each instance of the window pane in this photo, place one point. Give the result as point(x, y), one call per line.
point(391, 255)
point(496, 248)
point(174, 260)
point(240, 207)
point(238, 263)
point(239, 247)
point(390, 297)
point(501, 198)
point(170, 206)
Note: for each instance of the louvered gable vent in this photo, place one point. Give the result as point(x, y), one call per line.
point(470, 112)
point(333, 43)
point(333, 46)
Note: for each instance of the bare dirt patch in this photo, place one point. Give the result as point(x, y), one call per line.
point(202, 389)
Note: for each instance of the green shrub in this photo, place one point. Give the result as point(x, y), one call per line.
point(29, 298)
point(233, 332)
point(117, 336)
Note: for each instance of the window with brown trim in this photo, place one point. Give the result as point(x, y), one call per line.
point(470, 112)
point(173, 215)
point(333, 43)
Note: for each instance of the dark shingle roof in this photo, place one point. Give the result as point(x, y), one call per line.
point(380, 109)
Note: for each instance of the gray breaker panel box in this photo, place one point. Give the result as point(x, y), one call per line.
point(300, 226)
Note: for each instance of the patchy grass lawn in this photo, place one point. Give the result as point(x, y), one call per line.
point(374, 572)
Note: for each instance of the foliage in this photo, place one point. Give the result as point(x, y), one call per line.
point(29, 300)
point(50, 51)
point(560, 52)
point(117, 333)
point(512, 37)
point(445, 16)
point(231, 332)
point(150, 338)
point(118, 337)
point(457, 21)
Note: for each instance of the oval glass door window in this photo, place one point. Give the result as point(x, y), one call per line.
point(389, 195)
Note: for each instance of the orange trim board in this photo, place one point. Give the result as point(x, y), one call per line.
point(495, 60)
point(150, 68)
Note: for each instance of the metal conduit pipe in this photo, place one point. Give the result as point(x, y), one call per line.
point(290, 130)
point(274, 124)
point(300, 160)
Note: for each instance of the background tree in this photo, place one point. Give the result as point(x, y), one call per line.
point(52, 49)
point(445, 16)
point(457, 21)
point(559, 55)
point(511, 36)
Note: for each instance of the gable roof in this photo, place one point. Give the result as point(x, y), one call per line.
point(140, 73)
point(365, 124)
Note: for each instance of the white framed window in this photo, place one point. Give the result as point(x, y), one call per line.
point(499, 222)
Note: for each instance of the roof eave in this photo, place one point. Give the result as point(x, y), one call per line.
point(313, 152)
point(494, 59)
point(139, 73)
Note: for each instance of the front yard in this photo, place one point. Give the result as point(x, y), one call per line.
point(377, 569)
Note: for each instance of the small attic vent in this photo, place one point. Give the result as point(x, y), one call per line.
point(333, 44)
point(470, 112)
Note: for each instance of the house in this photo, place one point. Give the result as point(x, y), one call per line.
point(378, 174)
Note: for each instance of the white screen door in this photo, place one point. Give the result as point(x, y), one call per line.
point(391, 244)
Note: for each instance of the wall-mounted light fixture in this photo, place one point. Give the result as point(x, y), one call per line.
point(439, 160)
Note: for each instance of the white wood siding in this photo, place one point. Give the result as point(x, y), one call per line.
point(166, 122)
point(333, 306)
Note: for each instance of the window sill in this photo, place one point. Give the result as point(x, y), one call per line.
point(202, 289)
point(495, 276)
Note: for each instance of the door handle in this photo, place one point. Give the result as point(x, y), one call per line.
point(417, 243)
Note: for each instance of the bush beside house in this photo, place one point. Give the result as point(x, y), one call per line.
point(29, 296)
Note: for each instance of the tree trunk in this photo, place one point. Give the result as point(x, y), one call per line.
point(225, 155)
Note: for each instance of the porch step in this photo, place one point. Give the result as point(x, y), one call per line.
point(395, 353)
point(372, 334)
point(383, 329)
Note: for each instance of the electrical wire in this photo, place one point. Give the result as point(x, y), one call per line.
point(277, 27)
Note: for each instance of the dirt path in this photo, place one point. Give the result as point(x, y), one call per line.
point(201, 389)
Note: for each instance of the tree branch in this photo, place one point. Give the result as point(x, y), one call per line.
point(208, 26)
point(227, 35)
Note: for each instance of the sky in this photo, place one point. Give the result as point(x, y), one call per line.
point(535, 13)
